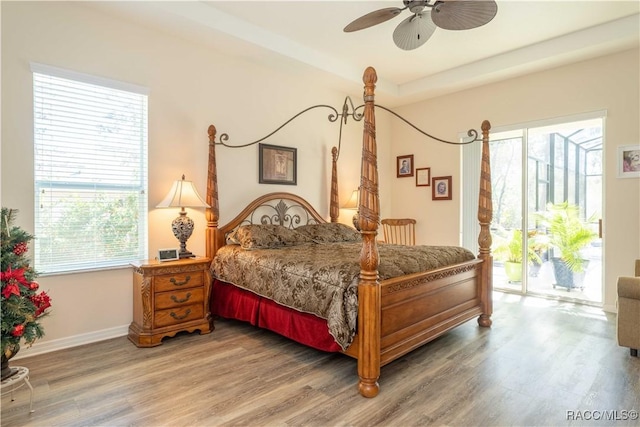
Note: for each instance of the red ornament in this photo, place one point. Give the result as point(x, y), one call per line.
point(20, 248)
point(18, 330)
point(34, 286)
point(42, 301)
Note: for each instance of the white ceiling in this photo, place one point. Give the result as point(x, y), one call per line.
point(525, 36)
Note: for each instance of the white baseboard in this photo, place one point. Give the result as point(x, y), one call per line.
point(610, 308)
point(74, 341)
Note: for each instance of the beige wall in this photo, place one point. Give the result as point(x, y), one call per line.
point(191, 87)
point(609, 83)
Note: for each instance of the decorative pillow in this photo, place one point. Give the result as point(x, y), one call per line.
point(266, 236)
point(330, 232)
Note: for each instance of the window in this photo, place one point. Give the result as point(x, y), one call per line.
point(90, 143)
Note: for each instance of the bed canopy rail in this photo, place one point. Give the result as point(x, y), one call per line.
point(348, 110)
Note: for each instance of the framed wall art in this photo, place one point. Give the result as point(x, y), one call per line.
point(628, 161)
point(423, 177)
point(404, 166)
point(277, 165)
point(441, 188)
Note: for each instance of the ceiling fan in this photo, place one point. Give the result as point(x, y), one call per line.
point(415, 30)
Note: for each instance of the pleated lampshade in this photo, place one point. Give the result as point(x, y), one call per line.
point(183, 194)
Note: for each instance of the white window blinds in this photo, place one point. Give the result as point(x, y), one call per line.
point(90, 144)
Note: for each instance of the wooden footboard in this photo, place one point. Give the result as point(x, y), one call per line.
point(418, 308)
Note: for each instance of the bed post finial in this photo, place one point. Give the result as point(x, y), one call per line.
point(212, 214)
point(370, 78)
point(369, 318)
point(334, 202)
point(485, 215)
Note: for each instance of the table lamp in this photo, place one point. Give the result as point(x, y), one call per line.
point(183, 194)
point(352, 204)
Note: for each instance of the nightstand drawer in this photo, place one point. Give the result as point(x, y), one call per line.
point(171, 282)
point(178, 298)
point(177, 315)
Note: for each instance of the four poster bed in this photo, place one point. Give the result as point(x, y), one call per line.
point(390, 300)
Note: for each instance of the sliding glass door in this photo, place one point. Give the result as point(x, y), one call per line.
point(547, 204)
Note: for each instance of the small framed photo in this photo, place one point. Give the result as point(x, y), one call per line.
point(423, 177)
point(628, 161)
point(441, 188)
point(170, 254)
point(277, 165)
point(404, 166)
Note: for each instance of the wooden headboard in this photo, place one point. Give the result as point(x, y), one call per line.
point(286, 209)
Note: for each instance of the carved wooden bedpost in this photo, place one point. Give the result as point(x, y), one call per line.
point(334, 209)
point(485, 215)
point(369, 322)
point(212, 214)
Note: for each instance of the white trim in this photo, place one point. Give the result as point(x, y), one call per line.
point(72, 341)
point(87, 78)
point(551, 121)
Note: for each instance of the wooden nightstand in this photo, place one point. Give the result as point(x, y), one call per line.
point(169, 297)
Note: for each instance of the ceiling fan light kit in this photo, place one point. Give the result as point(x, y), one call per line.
point(415, 30)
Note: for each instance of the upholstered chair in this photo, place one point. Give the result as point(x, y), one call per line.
point(629, 311)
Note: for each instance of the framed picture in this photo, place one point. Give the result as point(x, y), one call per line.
point(441, 188)
point(423, 177)
point(628, 161)
point(277, 165)
point(404, 166)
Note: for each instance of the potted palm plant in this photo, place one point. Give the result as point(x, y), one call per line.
point(509, 251)
point(569, 235)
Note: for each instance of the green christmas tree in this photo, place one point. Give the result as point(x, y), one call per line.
point(22, 305)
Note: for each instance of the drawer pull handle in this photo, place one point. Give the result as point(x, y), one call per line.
point(185, 299)
point(186, 313)
point(175, 282)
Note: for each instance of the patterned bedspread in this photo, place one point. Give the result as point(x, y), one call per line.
point(322, 278)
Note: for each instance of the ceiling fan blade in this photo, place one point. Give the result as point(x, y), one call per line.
point(414, 31)
point(463, 14)
point(373, 18)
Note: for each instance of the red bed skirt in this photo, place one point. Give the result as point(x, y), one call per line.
point(231, 302)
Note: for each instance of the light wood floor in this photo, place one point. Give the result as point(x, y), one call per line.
point(541, 363)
